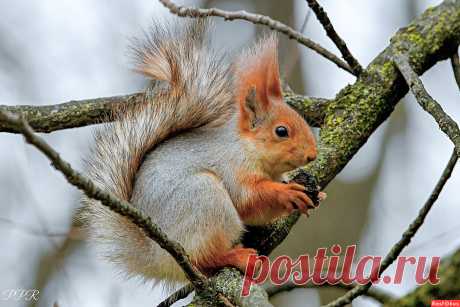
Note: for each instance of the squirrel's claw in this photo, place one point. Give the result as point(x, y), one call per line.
point(322, 196)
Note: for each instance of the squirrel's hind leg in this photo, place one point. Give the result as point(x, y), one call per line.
point(210, 235)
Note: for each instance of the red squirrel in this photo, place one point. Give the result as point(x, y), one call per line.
point(202, 155)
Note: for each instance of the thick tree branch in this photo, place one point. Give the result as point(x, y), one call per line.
point(108, 199)
point(229, 282)
point(339, 42)
point(183, 11)
point(445, 122)
point(406, 236)
point(86, 112)
point(66, 115)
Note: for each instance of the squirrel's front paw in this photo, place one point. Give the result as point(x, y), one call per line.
point(291, 196)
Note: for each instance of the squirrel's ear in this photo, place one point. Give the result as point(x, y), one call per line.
point(258, 69)
point(252, 110)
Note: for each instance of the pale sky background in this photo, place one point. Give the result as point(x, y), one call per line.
point(56, 51)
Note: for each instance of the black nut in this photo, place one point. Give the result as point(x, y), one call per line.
point(310, 183)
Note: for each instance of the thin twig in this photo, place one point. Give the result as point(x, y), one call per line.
point(339, 42)
point(290, 65)
point(278, 26)
point(455, 61)
point(108, 199)
point(445, 122)
point(73, 114)
point(177, 296)
point(405, 239)
point(377, 294)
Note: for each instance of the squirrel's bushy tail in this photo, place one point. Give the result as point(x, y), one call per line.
point(191, 87)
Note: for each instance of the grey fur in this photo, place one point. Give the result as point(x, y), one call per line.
point(194, 93)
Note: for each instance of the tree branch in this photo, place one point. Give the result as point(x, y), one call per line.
point(71, 114)
point(455, 61)
point(183, 11)
point(177, 296)
point(108, 199)
point(445, 122)
point(330, 31)
point(378, 295)
point(86, 112)
point(229, 282)
point(405, 239)
point(447, 289)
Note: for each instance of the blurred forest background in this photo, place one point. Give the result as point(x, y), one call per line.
point(56, 51)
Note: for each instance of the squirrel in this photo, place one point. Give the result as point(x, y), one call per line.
point(203, 154)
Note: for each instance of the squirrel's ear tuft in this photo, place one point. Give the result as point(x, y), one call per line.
point(258, 68)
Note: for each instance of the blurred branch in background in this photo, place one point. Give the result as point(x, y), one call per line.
point(289, 51)
point(295, 54)
point(32, 231)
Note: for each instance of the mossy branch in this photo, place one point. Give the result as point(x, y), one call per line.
point(86, 112)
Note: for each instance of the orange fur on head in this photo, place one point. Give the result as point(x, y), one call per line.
point(263, 110)
point(257, 68)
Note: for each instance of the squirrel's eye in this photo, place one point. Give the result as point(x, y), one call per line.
point(281, 131)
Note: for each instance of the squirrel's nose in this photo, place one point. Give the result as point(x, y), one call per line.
point(311, 156)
